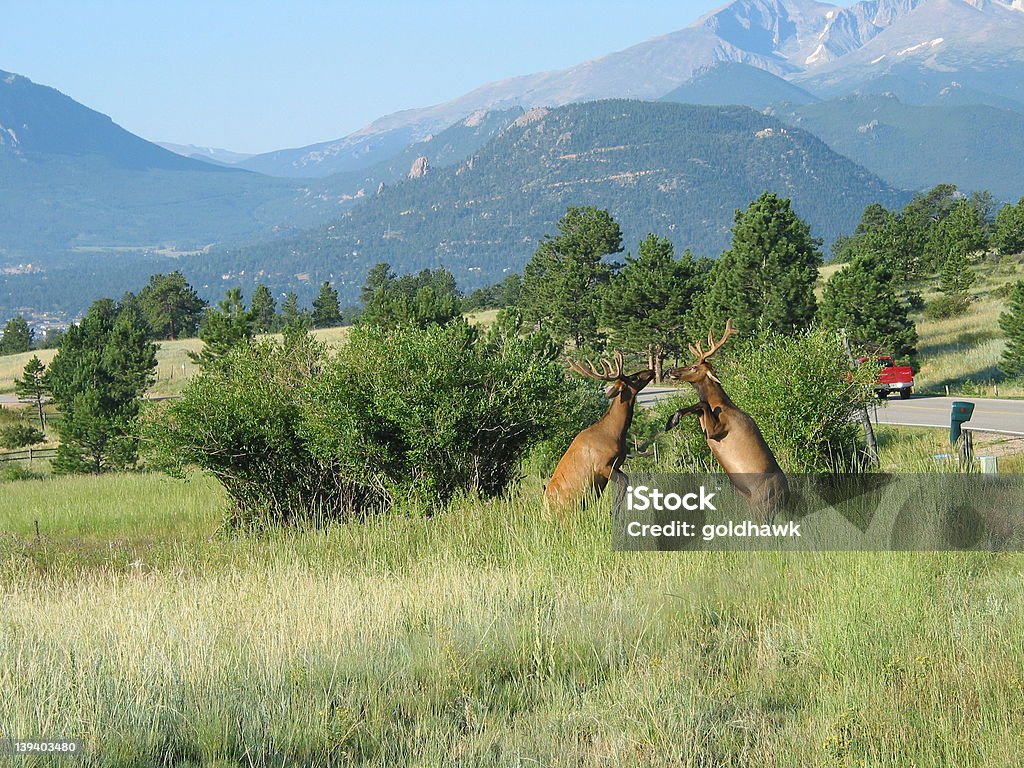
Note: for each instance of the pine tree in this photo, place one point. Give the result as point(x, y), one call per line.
point(171, 306)
point(1011, 322)
point(16, 337)
point(222, 328)
point(104, 366)
point(326, 310)
point(1008, 237)
point(264, 310)
point(766, 279)
point(563, 282)
point(291, 317)
point(862, 298)
point(648, 301)
point(33, 388)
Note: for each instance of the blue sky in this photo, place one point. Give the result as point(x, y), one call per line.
point(257, 76)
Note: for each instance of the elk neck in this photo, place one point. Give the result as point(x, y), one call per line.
point(619, 415)
point(711, 392)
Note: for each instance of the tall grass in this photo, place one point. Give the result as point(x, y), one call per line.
point(491, 635)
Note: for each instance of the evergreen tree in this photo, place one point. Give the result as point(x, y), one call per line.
point(563, 282)
point(1008, 237)
point(223, 328)
point(648, 301)
point(1011, 322)
point(862, 299)
point(264, 310)
point(766, 279)
point(103, 367)
point(956, 279)
point(16, 337)
point(171, 306)
point(33, 387)
point(291, 317)
point(427, 298)
point(326, 310)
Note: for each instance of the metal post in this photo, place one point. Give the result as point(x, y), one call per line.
point(865, 420)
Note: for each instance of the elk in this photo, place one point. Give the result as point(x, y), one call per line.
point(596, 454)
point(731, 434)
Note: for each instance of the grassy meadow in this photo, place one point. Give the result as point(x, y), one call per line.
point(487, 635)
point(493, 635)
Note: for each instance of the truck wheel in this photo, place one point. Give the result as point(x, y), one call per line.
point(906, 393)
point(882, 394)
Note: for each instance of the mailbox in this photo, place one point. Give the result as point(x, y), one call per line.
point(962, 412)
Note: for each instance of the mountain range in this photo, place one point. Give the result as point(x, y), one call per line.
point(917, 49)
point(854, 105)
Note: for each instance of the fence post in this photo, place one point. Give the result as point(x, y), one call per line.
point(30, 457)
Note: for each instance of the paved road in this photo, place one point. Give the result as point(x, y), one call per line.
point(1004, 416)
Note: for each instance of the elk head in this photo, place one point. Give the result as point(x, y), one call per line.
point(620, 386)
point(700, 369)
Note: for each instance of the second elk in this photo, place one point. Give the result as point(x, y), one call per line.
point(732, 435)
point(596, 454)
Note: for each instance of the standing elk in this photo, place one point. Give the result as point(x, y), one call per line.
point(596, 454)
point(733, 437)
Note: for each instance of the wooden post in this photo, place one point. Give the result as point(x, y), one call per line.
point(865, 420)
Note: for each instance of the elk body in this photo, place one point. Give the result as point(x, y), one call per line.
point(596, 454)
point(731, 434)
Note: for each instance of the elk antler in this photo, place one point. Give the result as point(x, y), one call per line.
point(611, 373)
point(698, 351)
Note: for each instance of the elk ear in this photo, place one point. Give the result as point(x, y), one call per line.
point(674, 419)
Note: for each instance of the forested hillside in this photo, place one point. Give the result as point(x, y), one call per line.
point(675, 169)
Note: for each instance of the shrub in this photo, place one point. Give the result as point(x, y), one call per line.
point(397, 417)
point(20, 435)
point(803, 396)
point(946, 306)
point(11, 472)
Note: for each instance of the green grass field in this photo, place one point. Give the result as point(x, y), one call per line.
point(488, 635)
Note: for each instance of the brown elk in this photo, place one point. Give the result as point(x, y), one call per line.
point(596, 454)
point(733, 437)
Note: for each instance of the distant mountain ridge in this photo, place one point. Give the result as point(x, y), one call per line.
point(677, 170)
point(824, 49)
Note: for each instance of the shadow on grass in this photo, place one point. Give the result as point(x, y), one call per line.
point(964, 340)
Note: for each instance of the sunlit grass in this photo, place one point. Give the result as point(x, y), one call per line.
point(491, 635)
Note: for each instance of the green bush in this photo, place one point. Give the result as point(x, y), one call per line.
point(800, 391)
point(12, 471)
point(397, 417)
point(20, 435)
point(946, 306)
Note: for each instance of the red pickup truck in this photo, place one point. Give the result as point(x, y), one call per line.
point(892, 378)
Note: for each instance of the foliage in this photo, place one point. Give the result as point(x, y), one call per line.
point(955, 281)
point(505, 293)
point(1011, 321)
point(264, 310)
point(801, 392)
point(862, 299)
point(171, 306)
point(421, 300)
point(402, 416)
point(679, 170)
point(945, 307)
point(224, 327)
point(20, 435)
point(563, 281)
point(326, 310)
point(766, 279)
point(16, 336)
point(648, 302)
point(291, 316)
point(33, 387)
point(103, 367)
point(1008, 237)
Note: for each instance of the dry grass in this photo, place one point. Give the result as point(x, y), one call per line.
point(487, 636)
